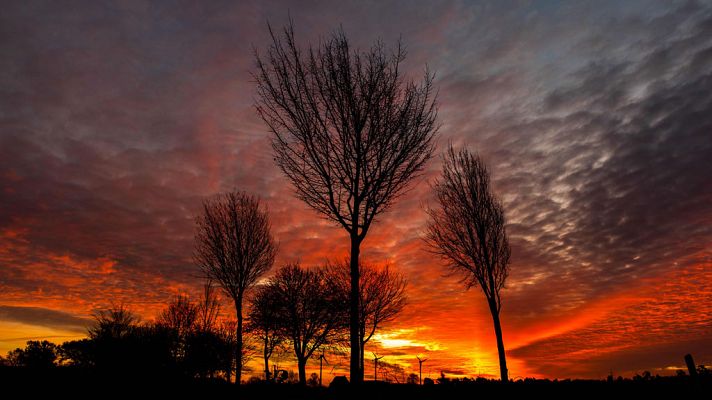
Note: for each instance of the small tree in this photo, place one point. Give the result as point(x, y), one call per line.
point(310, 311)
point(113, 335)
point(412, 379)
point(313, 380)
point(349, 132)
point(234, 247)
point(208, 308)
point(179, 321)
point(264, 323)
point(181, 316)
point(113, 323)
point(468, 230)
point(382, 297)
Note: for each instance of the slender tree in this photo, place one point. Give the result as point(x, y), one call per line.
point(208, 308)
point(468, 230)
point(349, 132)
point(234, 247)
point(382, 297)
point(264, 323)
point(310, 313)
point(207, 352)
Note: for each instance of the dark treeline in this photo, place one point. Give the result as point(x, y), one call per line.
point(298, 313)
point(175, 345)
point(189, 343)
point(49, 375)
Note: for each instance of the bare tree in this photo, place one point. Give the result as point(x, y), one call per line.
point(226, 331)
point(382, 297)
point(114, 323)
point(209, 308)
point(264, 323)
point(310, 311)
point(234, 247)
point(392, 372)
point(181, 315)
point(349, 132)
point(180, 318)
point(468, 230)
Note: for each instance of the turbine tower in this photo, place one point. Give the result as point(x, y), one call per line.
point(322, 360)
point(375, 366)
point(420, 365)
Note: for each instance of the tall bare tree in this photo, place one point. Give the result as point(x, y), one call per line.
point(234, 247)
point(468, 230)
point(349, 131)
point(310, 313)
point(382, 297)
point(263, 322)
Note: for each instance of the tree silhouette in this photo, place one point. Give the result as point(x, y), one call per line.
point(468, 230)
point(310, 311)
point(114, 323)
point(412, 379)
point(234, 247)
point(349, 133)
point(122, 346)
point(227, 332)
point(200, 346)
point(211, 343)
point(36, 355)
point(264, 323)
point(78, 353)
point(382, 297)
point(208, 308)
point(181, 315)
point(206, 353)
point(392, 372)
point(313, 380)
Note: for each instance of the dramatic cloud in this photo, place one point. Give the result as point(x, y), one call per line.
point(116, 120)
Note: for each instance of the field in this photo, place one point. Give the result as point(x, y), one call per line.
point(84, 384)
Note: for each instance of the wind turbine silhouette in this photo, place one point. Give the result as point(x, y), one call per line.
point(322, 360)
point(420, 365)
point(375, 365)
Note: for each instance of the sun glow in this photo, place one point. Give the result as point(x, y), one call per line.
point(405, 338)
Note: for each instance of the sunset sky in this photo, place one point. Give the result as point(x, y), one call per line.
point(118, 118)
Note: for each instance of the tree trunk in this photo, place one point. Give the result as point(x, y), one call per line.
point(355, 370)
point(362, 356)
point(266, 356)
point(238, 342)
point(500, 343)
point(302, 365)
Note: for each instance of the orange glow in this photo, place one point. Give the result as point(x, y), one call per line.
point(450, 326)
point(442, 322)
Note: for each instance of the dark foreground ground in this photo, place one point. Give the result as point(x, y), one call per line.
point(82, 384)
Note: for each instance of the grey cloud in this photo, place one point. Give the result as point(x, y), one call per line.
point(598, 177)
point(44, 317)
